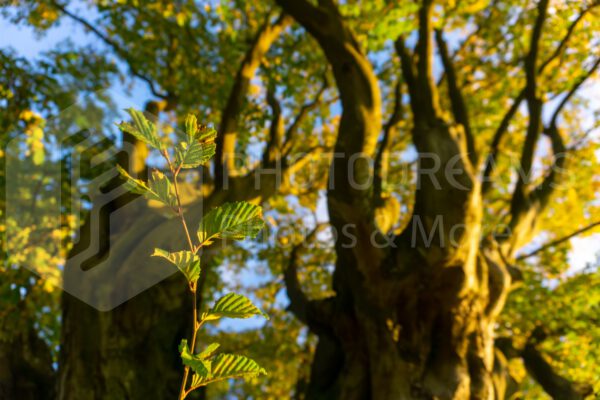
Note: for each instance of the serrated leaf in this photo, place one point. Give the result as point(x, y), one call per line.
point(191, 127)
point(161, 189)
point(227, 366)
point(197, 381)
point(187, 262)
point(233, 305)
point(232, 220)
point(194, 154)
point(209, 351)
point(206, 134)
point(200, 146)
point(142, 129)
point(131, 184)
point(201, 366)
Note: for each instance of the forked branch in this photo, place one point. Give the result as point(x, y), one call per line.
point(226, 135)
point(459, 108)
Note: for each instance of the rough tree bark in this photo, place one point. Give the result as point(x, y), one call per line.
point(415, 320)
point(410, 321)
point(104, 355)
point(26, 367)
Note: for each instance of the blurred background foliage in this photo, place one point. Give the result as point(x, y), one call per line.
point(183, 53)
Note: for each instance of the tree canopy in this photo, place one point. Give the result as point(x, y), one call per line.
point(469, 279)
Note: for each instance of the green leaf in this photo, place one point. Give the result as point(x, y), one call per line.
point(231, 220)
point(133, 185)
point(186, 261)
point(161, 189)
point(142, 129)
point(201, 366)
point(200, 146)
point(206, 134)
point(209, 351)
point(194, 154)
point(191, 126)
point(227, 366)
point(233, 305)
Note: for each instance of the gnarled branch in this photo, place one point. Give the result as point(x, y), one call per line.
point(541, 370)
point(226, 136)
point(272, 152)
point(558, 241)
point(360, 122)
point(121, 52)
point(389, 131)
point(522, 209)
point(299, 302)
point(459, 108)
point(512, 111)
point(302, 114)
point(554, 384)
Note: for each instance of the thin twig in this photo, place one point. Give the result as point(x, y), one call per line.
point(193, 287)
point(559, 241)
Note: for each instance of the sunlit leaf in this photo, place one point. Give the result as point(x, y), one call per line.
point(200, 366)
point(233, 305)
point(209, 351)
point(187, 262)
point(161, 189)
point(131, 184)
point(199, 148)
point(191, 127)
point(227, 366)
point(142, 129)
point(194, 154)
point(231, 221)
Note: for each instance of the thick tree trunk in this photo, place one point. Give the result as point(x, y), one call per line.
point(423, 337)
point(130, 352)
point(26, 370)
point(413, 320)
point(127, 353)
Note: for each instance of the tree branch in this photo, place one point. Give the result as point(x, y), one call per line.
point(360, 123)
point(224, 158)
point(558, 241)
point(531, 59)
point(563, 43)
point(122, 53)
point(555, 385)
point(299, 302)
point(459, 108)
point(542, 192)
point(302, 114)
point(407, 66)
point(540, 370)
point(526, 205)
point(272, 151)
point(572, 91)
point(389, 131)
point(495, 145)
point(521, 207)
point(428, 96)
point(504, 124)
point(534, 103)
